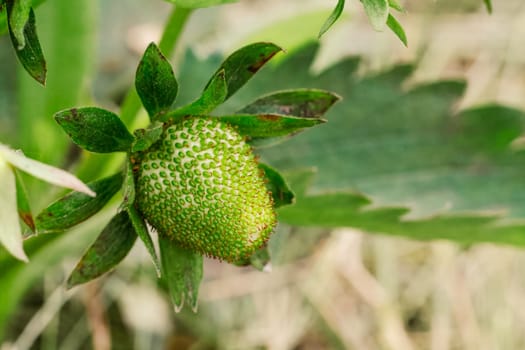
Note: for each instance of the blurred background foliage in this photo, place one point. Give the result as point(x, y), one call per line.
point(423, 131)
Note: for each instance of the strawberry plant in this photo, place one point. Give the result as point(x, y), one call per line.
point(192, 176)
point(200, 178)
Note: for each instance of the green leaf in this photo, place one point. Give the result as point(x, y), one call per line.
point(129, 187)
point(307, 103)
point(141, 229)
point(22, 201)
point(269, 125)
point(3, 20)
point(488, 5)
point(182, 270)
point(334, 16)
point(10, 233)
point(155, 82)
point(340, 209)
point(398, 30)
point(77, 207)
point(111, 246)
point(276, 184)
point(142, 232)
point(43, 171)
point(95, 129)
point(213, 95)
point(25, 40)
point(144, 138)
point(241, 65)
point(261, 259)
point(396, 5)
point(377, 12)
point(193, 4)
point(18, 17)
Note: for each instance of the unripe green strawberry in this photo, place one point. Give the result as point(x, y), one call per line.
point(200, 186)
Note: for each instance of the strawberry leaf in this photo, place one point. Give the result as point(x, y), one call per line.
point(155, 82)
point(111, 246)
point(307, 103)
point(268, 125)
point(22, 29)
point(144, 138)
point(213, 95)
point(77, 207)
point(22, 200)
point(95, 129)
point(396, 5)
point(334, 16)
point(241, 65)
point(398, 30)
point(18, 17)
point(377, 12)
point(142, 232)
point(10, 233)
point(182, 270)
point(43, 171)
point(276, 184)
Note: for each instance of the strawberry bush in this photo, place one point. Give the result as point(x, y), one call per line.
point(213, 174)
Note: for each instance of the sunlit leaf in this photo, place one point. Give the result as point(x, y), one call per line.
point(18, 11)
point(398, 30)
point(111, 246)
point(377, 12)
point(10, 233)
point(43, 171)
point(334, 16)
point(22, 200)
point(396, 5)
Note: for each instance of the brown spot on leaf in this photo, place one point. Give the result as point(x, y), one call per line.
point(257, 65)
point(268, 117)
point(27, 218)
point(74, 113)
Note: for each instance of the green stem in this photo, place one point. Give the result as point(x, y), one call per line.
point(96, 166)
point(172, 31)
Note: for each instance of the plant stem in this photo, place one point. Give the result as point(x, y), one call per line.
point(95, 166)
point(172, 31)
